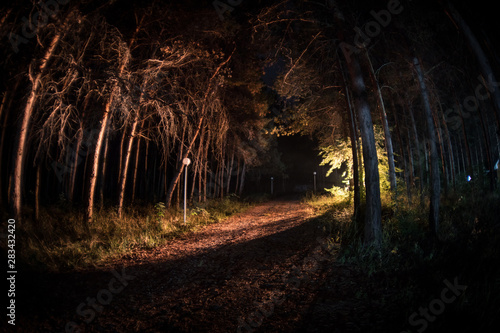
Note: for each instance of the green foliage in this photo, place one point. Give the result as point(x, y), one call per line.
point(340, 154)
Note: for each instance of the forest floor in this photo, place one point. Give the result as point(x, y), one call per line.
point(265, 270)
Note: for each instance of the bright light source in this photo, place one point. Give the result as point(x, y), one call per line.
point(469, 178)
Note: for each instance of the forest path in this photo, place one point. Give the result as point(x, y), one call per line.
point(259, 270)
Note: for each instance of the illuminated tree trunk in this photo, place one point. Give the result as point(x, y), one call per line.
point(128, 153)
point(385, 125)
point(354, 147)
point(136, 167)
point(435, 184)
point(100, 140)
point(103, 169)
point(37, 194)
point(21, 146)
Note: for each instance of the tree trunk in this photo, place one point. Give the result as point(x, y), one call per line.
point(387, 133)
point(103, 169)
point(466, 141)
point(242, 179)
point(229, 172)
point(120, 156)
point(435, 188)
point(450, 147)
point(37, 194)
point(21, 147)
point(373, 217)
point(420, 161)
point(6, 104)
point(441, 150)
point(136, 167)
point(128, 153)
point(354, 145)
point(104, 125)
point(408, 170)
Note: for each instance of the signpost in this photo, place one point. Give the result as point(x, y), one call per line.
point(186, 161)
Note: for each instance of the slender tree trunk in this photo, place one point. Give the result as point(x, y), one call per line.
point(420, 161)
point(136, 167)
point(120, 158)
point(37, 194)
point(441, 150)
point(354, 145)
point(450, 147)
point(488, 150)
point(237, 176)
point(242, 179)
point(71, 190)
point(147, 192)
point(104, 125)
point(128, 153)
point(185, 154)
point(408, 171)
point(229, 172)
point(103, 170)
point(387, 133)
point(24, 125)
point(435, 188)
point(5, 108)
point(466, 141)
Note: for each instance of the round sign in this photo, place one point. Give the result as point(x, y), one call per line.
point(186, 161)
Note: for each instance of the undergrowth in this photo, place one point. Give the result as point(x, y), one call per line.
point(61, 241)
point(468, 249)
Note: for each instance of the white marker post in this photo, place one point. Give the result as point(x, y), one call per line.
point(185, 162)
point(314, 173)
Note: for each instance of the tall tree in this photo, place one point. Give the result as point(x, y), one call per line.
point(435, 188)
point(21, 147)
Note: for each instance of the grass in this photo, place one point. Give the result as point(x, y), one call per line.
point(60, 241)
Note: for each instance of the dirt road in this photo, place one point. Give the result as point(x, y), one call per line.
point(257, 271)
